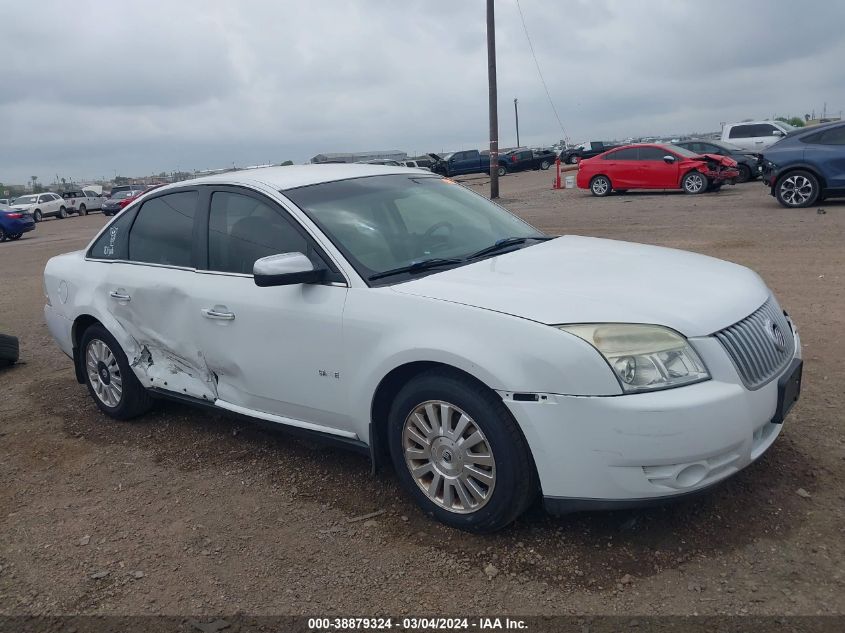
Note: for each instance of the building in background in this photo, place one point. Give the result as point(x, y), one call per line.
point(357, 157)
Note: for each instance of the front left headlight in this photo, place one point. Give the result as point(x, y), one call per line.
point(643, 357)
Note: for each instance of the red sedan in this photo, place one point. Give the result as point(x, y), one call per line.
point(655, 167)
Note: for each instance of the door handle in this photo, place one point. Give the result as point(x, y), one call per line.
point(120, 296)
point(218, 314)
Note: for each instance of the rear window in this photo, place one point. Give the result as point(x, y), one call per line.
point(629, 153)
point(113, 243)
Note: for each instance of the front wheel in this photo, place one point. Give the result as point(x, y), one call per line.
point(502, 170)
point(14, 236)
point(110, 380)
point(459, 453)
point(600, 186)
point(37, 215)
point(797, 189)
point(62, 213)
point(744, 173)
point(573, 160)
point(83, 210)
point(694, 182)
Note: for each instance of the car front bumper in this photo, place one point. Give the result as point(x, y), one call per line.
point(630, 450)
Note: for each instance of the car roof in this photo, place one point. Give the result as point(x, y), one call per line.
point(293, 176)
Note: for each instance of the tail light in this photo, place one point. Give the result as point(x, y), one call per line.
point(513, 159)
point(124, 202)
point(14, 216)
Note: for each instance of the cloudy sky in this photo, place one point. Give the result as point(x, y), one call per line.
point(94, 88)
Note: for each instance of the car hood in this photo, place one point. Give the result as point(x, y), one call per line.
point(725, 161)
point(22, 207)
point(574, 279)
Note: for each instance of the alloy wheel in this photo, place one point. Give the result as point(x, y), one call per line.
point(600, 186)
point(449, 457)
point(104, 373)
point(796, 190)
point(694, 183)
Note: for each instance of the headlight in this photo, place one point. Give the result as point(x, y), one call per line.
point(643, 357)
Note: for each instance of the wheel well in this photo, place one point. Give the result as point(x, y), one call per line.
point(383, 399)
point(82, 323)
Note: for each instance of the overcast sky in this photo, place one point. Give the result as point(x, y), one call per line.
point(97, 87)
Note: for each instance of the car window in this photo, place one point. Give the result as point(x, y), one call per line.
point(652, 153)
point(741, 131)
point(834, 136)
point(114, 242)
point(242, 229)
point(163, 230)
point(89, 194)
point(629, 153)
point(764, 129)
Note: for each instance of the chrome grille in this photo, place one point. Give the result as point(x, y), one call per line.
point(755, 348)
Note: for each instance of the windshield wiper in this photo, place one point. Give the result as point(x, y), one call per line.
point(413, 267)
point(505, 243)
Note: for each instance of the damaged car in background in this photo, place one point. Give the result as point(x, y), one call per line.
point(402, 315)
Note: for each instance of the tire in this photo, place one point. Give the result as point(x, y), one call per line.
point(694, 182)
point(544, 165)
point(573, 160)
point(83, 210)
point(14, 236)
point(36, 215)
point(62, 213)
point(101, 355)
point(2, 235)
point(744, 173)
point(504, 451)
point(797, 189)
point(9, 350)
point(502, 170)
point(600, 186)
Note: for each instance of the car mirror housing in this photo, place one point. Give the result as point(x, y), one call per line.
point(285, 269)
point(669, 159)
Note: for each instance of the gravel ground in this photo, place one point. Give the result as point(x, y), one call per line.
point(187, 512)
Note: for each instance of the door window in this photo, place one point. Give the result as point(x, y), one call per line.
point(763, 129)
point(242, 229)
point(629, 153)
point(652, 153)
point(163, 230)
point(741, 131)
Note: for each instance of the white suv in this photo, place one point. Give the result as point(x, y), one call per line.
point(400, 314)
point(41, 205)
point(755, 135)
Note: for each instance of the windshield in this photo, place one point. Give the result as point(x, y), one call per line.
point(386, 222)
point(26, 200)
point(120, 195)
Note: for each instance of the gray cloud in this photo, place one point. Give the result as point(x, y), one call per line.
point(139, 87)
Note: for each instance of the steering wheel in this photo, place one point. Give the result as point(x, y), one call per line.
point(429, 234)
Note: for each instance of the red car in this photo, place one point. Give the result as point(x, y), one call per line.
point(654, 166)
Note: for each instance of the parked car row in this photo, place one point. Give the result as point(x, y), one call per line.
point(478, 162)
point(79, 201)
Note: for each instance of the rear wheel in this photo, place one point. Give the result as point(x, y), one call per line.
point(2, 234)
point(83, 210)
point(459, 453)
point(573, 160)
point(694, 182)
point(502, 170)
point(9, 349)
point(544, 165)
point(37, 215)
point(110, 380)
point(600, 186)
point(797, 189)
point(744, 173)
point(14, 236)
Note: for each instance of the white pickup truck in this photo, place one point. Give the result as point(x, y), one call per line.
point(82, 201)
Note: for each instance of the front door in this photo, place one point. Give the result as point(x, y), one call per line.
point(654, 172)
point(276, 350)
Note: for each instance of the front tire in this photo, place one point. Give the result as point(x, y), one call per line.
point(37, 215)
point(797, 189)
point(83, 210)
point(600, 186)
point(110, 380)
point(744, 173)
point(459, 453)
point(14, 236)
point(573, 160)
point(694, 183)
point(62, 213)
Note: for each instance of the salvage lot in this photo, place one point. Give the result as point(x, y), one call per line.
point(187, 512)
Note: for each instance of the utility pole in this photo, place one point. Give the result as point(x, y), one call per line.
point(494, 115)
point(516, 116)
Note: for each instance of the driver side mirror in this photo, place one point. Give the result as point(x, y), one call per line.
point(285, 269)
point(668, 159)
point(778, 133)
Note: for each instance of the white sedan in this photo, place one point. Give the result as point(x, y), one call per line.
point(400, 314)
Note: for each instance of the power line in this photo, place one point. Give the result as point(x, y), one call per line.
point(540, 72)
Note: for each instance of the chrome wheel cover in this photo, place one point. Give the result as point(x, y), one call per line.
point(103, 373)
point(796, 190)
point(600, 186)
point(449, 457)
point(694, 183)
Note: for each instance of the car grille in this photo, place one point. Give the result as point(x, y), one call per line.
point(751, 344)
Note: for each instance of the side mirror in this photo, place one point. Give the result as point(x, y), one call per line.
point(285, 270)
point(778, 133)
point(668, 159)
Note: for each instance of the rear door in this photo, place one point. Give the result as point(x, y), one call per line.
point(653, 171)
point(829, 152)
point(621, 168)
point(764, 134)
point(741, 135)
point(276, 350)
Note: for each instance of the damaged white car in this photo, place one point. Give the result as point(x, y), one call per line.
point(403, 315)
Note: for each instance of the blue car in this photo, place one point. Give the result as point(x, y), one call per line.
point(14, 223)
point(807, 166)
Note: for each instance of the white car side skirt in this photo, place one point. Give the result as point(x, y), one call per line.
point(270, 417)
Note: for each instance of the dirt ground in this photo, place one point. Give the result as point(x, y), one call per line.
point(183, 512)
